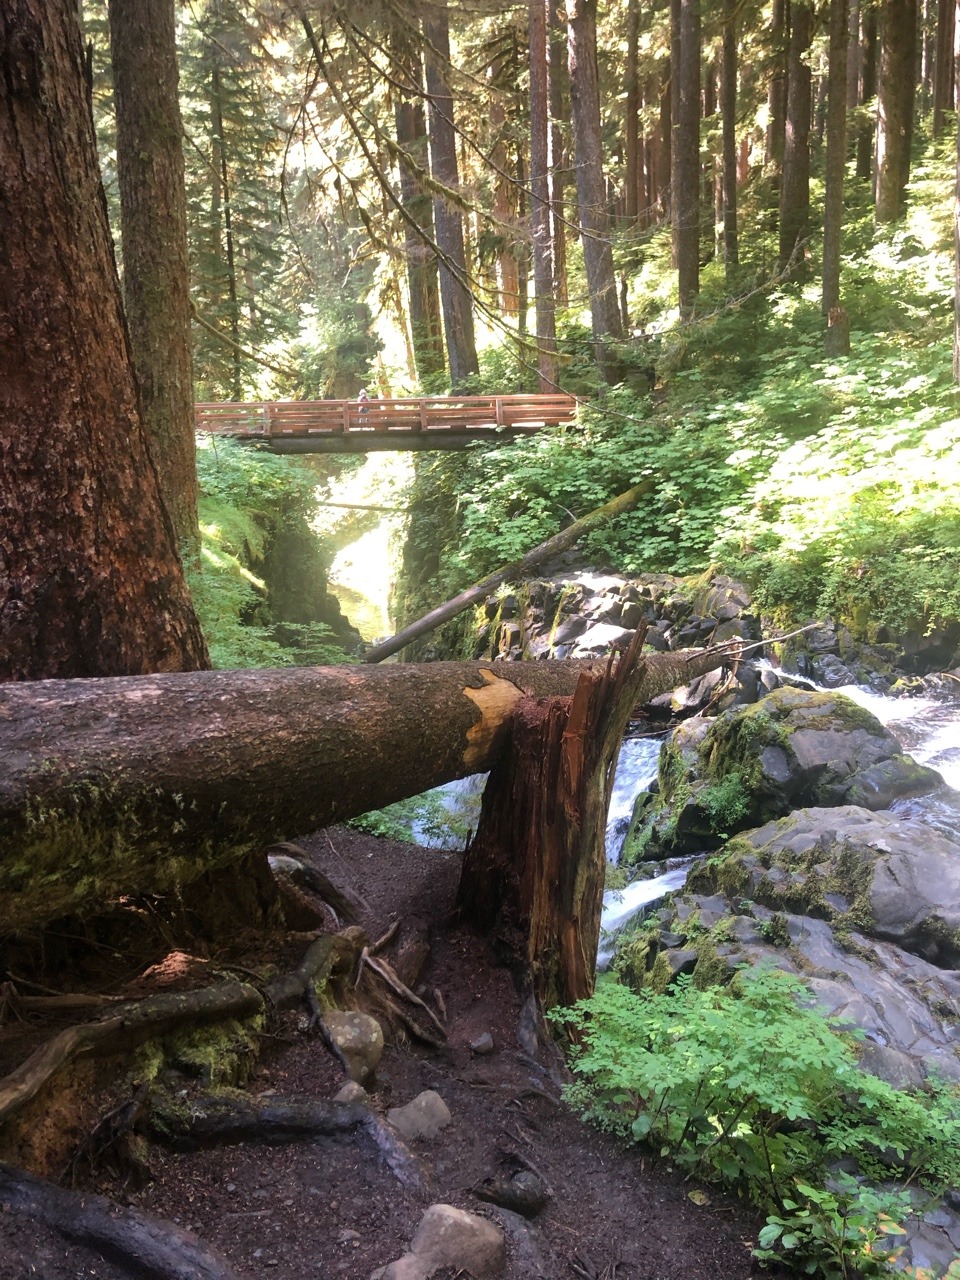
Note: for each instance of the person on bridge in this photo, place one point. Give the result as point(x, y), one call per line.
point(363, 400)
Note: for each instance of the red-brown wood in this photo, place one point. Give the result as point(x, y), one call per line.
point(415, 416)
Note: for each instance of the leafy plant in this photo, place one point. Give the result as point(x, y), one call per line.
point(751, 1086)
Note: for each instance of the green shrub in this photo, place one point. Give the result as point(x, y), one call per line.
point(750, 1086)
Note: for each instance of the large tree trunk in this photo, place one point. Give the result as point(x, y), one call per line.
point(795, 186)
point(728, 110)
point(141, 785)
point(90, 580)
point(632, 202)
point(557, 54)
point(455, 295)
point(777, 89)
point(536, 865)
point(591, 189)
point(956, 249)
point(543, 280)
point(836, 164)
point(869, 33)
point(425, 324)
point(153, 220)
point(686, 196)
point(943, 83)
point(897, 89)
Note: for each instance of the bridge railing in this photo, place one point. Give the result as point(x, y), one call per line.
point(458, 414)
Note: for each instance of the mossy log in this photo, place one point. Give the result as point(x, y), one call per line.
point(140, 784)
point(144, 1245)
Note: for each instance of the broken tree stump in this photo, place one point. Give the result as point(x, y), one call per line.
point(535, 869)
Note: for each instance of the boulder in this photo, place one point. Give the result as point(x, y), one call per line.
point(424, 1117)
point(449, 1237)
point(759, 761)
point(360, 1039)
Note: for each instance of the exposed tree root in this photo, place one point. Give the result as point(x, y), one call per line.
point(219, 1118)
point(126, 1027)
point(290, 858)
point(130, 1025)
point(147, 1246)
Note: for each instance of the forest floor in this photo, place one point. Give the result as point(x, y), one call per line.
point(330, 1207)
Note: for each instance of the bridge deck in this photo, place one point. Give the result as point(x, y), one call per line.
point(353, 426)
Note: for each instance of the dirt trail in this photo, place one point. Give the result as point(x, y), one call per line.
point(331, 1208)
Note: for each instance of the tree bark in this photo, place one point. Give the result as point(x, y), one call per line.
point(455, 295)
point(558, 73)
point(956, 249)
point(591, 190)
point(153, 222)
point(795, 186)
point(90, 579)
point(836, 159)
point(866, 134)
point(728, 110)
point(536, 865)
point(943, 81)
point(425, 324)
point(897, 90)
point(143, 784)
point(686, 201)
point(777, 89)
point(853, 54)
point(543, 278)
point(631, 124)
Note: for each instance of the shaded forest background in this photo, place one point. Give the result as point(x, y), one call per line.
point(685, 214)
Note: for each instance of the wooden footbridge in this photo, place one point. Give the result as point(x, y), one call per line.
point(366, 426)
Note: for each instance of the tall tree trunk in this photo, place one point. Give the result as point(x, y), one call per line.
point(795, 187)
point(504, 202)
point(632, 142)
point(153, 221)
point(866, 134)
point(956, 241)
point(591, 191)
point(674, 126)
point(853, 54)
point(777, 89)
point(897, 91)
point(558, 76)
point(540, 197)
point(455, 293)
point(728, 111)
point(664, 167)
point(223, 197)
point(90, 579)
point(141, 785)
point(836, 163)
point(943, 83)
point(421, 261)
point(687, 165)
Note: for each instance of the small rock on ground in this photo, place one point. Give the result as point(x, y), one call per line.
point(424, 1117)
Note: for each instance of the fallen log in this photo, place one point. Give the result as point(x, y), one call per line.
point(140, 784)
point(144, 1245)
point(516, 571)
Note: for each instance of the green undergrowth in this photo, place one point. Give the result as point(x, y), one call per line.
point(750, 1087)
point(423, 820)
point(250, 501)
point(831, 486)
